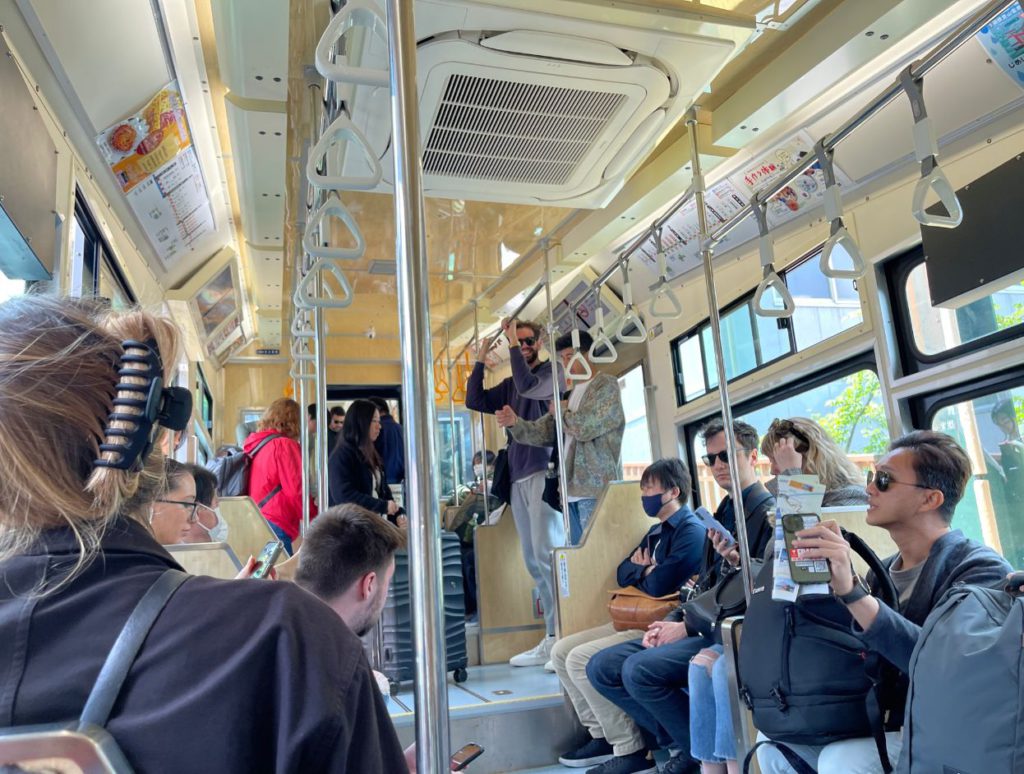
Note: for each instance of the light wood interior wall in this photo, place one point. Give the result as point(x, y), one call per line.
point(248, 531)
point(210, 559)
point(586, 573)
point(504, 593)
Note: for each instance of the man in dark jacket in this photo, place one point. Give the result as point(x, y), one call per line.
point(527, 392)
point(648, 678)
point(390, 444)
point(912, 495)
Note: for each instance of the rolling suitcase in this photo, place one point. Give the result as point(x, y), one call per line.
point(392, 651)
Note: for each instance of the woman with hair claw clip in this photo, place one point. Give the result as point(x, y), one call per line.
point(229, 676)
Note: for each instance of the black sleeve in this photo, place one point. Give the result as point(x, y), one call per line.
point(351, 482)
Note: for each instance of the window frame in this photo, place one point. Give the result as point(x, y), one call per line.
point(784, 323)
point(97, 251)
point(897, 272)
point(864, 361)
point(925, 406)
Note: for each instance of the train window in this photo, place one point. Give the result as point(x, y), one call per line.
point(10, 287)
point(204, 399)
point(446, 451)
point(929, 335)
point(989, 426)
point(824, 308)
point(848, 407)
point(94, 271)
point(636, 440)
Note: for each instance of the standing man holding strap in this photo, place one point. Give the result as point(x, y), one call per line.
point(527, 392)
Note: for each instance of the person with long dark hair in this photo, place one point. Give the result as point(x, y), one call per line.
point(355, 468)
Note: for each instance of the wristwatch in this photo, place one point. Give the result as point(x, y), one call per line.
point(856, 593)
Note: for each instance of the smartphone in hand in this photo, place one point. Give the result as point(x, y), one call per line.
point(800, 569)
point(265, 561)
point(466, 755)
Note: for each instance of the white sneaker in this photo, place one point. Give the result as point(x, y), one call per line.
point(549, 666)
point(537, 656)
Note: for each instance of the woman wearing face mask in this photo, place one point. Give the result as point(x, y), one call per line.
point(665, 559)
point(210, 526)
point(173, 515)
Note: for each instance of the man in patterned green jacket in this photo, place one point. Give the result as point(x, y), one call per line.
point(593, 421)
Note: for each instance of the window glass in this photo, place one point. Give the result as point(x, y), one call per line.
point(848, 408)
point(10, 287)
point(110, 286)
point(636, 440)
point(989, 428)
point(773, 340)
point(692, 368)
point(937, 330)
point(446, 451)
point(824, 307)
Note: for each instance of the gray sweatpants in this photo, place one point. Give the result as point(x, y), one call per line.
point(540, 529)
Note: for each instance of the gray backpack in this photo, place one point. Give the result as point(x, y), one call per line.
point(965, 706)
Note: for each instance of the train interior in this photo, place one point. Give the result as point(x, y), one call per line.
point(233, 164)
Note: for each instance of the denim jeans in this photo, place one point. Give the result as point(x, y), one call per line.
point(711, 734)
point(282, 536)
point(541, 530)
point(650, 684)
point(580, 512)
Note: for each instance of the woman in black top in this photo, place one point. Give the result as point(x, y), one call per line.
point(355, 469)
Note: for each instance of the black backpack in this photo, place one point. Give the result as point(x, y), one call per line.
point(805, 674)
point(232, 471)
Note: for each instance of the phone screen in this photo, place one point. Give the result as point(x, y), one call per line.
point(803, 570)
point(265, 561)
point(465, 755)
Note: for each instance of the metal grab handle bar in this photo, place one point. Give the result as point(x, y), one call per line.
point(839, 236)
point(770, 280)
point(332, 205)
point(926, 151)
point(662, 292)
point(342, 128)
point(577, 357)
point(355, 13)
point(601, 339)
point(302, 298)
point(301, 330)
point(300, 353)
point(630, 315)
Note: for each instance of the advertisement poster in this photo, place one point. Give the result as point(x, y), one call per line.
point(153, 160)
point(730, 196)
point(1003, 41)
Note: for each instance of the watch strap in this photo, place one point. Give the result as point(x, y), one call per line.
point(858, 592)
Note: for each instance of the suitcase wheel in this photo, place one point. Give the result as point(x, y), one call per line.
point(460, 675)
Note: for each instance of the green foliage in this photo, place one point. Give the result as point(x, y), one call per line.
point(858, 408)
point(1016, 317)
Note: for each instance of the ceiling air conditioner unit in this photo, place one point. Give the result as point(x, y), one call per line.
point(556, 107)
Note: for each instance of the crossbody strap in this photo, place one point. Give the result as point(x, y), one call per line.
point(261, 444)
point(121, 657)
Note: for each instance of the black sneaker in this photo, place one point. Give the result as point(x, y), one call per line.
point(593, 752)
point(681, 764)
point(634, 763)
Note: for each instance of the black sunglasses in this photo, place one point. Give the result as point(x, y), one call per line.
point(709, 459)
point(528, 341)
point(883, 480)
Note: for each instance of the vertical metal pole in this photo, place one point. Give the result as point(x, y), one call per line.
point(322, 451)
point(431, 690)
point(716, 339)
point(304, 443)
point(483, 425)
point(456, 451)
point(555, 388)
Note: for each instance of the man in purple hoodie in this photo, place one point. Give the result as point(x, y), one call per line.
point(528, 392)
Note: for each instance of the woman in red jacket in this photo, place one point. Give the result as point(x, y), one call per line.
point(275, 478)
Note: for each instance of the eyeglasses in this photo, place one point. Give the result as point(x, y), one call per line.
point(192, 507)
point(528, 341)
point(883, 480)
point(709, 459)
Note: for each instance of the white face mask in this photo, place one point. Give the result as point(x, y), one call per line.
point(219, 531)
point(478, 470)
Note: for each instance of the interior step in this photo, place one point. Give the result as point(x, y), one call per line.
point(518, 716)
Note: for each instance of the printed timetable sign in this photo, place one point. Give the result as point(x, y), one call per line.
point(1003, 41)
point(154, 161)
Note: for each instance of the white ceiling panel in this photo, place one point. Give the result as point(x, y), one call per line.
point(252, 45)
point(111, 53)
point(258, 147)
point(267, 274)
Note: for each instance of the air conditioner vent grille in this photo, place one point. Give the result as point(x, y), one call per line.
point(515, 132)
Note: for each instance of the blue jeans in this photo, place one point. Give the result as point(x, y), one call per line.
point(650, 684)
point(711, 737)
point(282, 536)
point(580, 512)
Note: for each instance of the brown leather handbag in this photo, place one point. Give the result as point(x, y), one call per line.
point(630, 608)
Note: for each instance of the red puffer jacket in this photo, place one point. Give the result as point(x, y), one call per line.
point(279, 463)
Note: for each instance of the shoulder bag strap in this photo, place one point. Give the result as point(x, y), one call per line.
point(264, 442)
point(121, 657)
point(884, 579)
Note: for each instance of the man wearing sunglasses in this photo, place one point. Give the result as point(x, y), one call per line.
point(912, 494)
point(527, 392)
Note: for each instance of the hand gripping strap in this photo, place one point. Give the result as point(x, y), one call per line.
point(121, 657)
